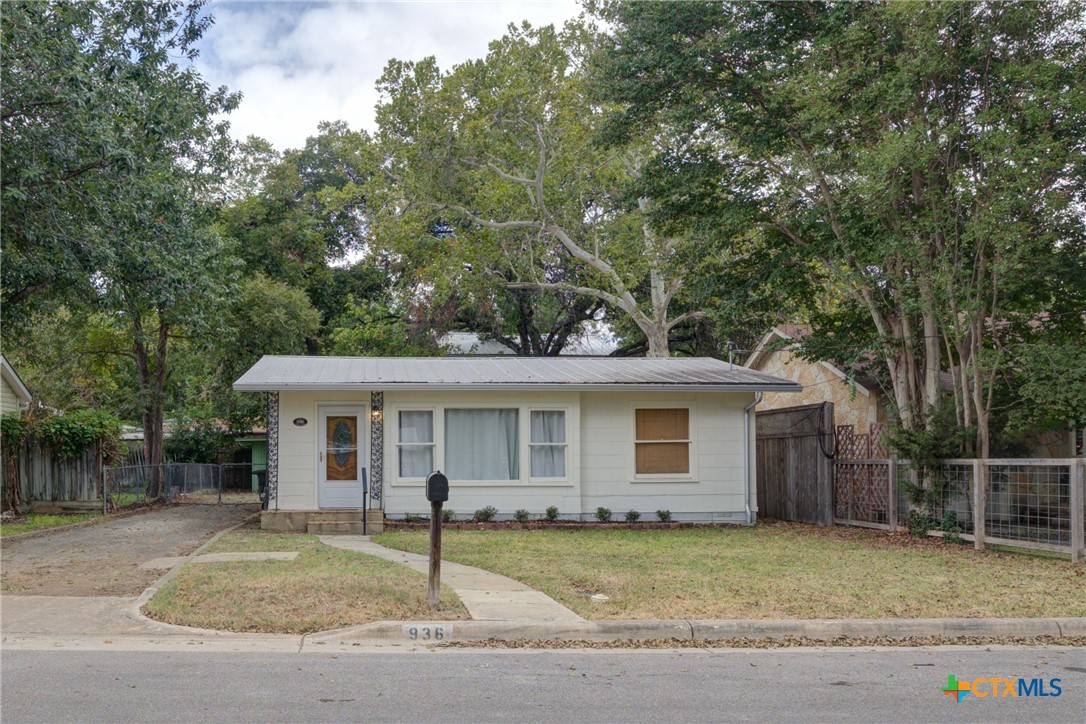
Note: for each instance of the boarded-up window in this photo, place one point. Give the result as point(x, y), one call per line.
point(663, 441)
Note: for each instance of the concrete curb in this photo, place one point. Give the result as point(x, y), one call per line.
point(399, 631)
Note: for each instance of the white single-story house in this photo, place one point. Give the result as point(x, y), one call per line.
point(510, 432)
point(14, 394)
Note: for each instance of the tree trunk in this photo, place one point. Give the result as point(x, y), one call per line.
point(933, 357)
point(656, 335)
point(152, 392)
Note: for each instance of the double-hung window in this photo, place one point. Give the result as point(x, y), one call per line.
point(662, 441)
point(547, 442)
point(416, 443)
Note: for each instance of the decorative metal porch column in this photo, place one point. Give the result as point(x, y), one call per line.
point(273, 448)
point(377, 443)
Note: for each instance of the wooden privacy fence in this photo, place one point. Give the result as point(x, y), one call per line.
point(41, 476)
point(795, 446)
point(1026, 503)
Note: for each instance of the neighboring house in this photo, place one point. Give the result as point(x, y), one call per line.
point(589, 344)
point(858, 402)
point(858, 399)
point(512, 432)
point(14, 394)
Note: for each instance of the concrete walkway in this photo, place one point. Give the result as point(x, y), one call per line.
point(487, 596)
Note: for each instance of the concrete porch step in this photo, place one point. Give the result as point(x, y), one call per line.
point(344, 522)
point(333, 527)
point(322, 522)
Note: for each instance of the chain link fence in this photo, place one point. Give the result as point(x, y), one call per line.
point(191, 483)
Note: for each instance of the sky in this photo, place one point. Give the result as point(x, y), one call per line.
point(299, 63)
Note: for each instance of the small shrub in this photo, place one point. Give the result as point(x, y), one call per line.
point(919, 523)
point(199, 441)
point(521, 516)
point(552, 513)
point(632, 516)
point(448, 515)
point(603, 514)
point(412, 518)
point(951, 528)
point(663, 515)
point(486, 514)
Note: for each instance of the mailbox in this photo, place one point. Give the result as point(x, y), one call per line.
point(437, 487)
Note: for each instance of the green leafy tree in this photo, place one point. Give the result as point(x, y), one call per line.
point(112, 144)
point(371, 329)
point(925, 161)
point(167, 276)
point(501, 154)
point(303, 219)
point(89, 92)
point(261, 316)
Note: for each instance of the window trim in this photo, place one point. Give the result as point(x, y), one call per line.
point(692, 444)
point(524, 409)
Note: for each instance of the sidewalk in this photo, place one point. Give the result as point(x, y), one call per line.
point(487, 596)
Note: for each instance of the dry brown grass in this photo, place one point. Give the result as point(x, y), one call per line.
point(772, 571)
point(324, 588)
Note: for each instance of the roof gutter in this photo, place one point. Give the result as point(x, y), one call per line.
point(746, 457)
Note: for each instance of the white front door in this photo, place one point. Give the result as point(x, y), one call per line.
point(341, 456)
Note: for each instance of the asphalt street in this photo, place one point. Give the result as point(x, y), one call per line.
point(511, 685)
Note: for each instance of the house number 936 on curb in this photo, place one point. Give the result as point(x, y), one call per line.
point(427, 631)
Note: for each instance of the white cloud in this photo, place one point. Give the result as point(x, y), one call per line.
point(301, 63)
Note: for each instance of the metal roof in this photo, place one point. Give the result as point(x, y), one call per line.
point(504, 373)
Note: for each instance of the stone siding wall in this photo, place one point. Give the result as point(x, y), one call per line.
point(820, 384)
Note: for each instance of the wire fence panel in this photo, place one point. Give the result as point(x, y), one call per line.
point(128, 486)
point(188, 483)
point(193, 483)
point(241, 483)
point(947, 489)
point(1027, 503)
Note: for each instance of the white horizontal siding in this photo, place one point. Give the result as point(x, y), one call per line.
point(607, 454)
point(8, 399)
point(298, 445)
point(601, 453)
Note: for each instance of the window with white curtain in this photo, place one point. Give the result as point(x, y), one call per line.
point(416, 443)
point(547, 442)
point(481, 444)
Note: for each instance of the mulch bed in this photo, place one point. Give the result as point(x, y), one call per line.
point(547, 525)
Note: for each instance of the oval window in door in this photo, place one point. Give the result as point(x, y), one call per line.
point(342, 444)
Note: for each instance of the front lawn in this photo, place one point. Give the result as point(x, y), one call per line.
point(34, 521)
point(323, 588)
point(772, 571)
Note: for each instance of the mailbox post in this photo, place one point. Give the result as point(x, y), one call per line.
point(437, 492)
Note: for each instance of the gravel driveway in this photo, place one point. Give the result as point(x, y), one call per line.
point(103, 559)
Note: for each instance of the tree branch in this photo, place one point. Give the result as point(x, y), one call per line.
point(685, 317)
point(562, 286)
